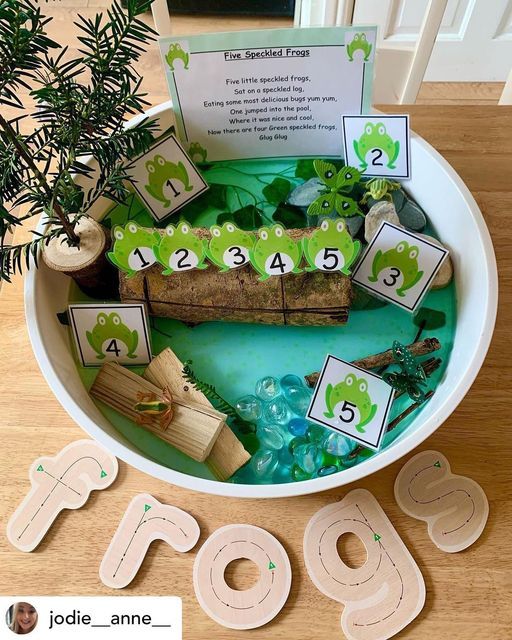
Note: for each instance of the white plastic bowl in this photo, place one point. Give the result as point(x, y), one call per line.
point(460, 224)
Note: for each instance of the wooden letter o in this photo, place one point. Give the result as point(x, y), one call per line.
point(253, 607)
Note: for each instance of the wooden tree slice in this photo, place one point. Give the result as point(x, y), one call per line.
point(87, 263)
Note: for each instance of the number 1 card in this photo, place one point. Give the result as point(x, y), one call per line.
point(110, 332)
point(351, 401)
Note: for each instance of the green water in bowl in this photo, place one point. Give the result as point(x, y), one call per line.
point(233, 357)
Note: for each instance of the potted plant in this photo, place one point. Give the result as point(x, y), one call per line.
point(79, 110)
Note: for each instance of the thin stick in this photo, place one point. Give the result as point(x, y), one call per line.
point(385, 358)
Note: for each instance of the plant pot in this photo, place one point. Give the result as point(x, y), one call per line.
point(87, 263)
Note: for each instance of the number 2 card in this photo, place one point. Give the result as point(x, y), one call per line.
point(378, 145)
point(352, 401)
point(110, 332)
point(399, 266)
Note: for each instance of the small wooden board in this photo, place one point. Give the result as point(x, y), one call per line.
point(194, 427)
point(145, 520)
point(387, 592)
point(454, 507)
point(62, 482)
point(227, 454)
point(253, 607)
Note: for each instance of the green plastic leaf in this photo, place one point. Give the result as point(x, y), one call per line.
point(326, 172)
point(430, 318)
point(246, 218)
point(277, 191)
point(322, 205)
point(290, 217)
point(305, 169)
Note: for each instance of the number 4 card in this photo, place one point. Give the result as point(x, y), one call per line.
point(399, 266)
point(378, 145)
point(110, 332)
point(352, 401)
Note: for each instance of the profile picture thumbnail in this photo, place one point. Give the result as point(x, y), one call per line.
point(21, 618)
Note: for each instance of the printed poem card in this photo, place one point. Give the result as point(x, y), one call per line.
point(269, 93)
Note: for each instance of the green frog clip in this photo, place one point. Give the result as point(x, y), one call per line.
point(180, 249)
point(108, 328)
point(133, 248)
point(353, 395)
point(331, 247)
point(275, 253)
point(402, 262)
point(229, 246)
point(375, 137)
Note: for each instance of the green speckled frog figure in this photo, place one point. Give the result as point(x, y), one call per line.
point(402, 262)
point(229, 246)
point(353, 394)
point(331, 247)
point(275, 253)
point(375, 137)
point(180, 249)
point(110, 327)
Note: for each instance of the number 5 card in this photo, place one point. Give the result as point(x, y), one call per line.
point(110, 332)
point(399, 266)
point(378, 145)
point(352, 401)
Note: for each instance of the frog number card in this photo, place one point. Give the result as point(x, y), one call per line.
point(351, 401)
point(110, 332)
point(166, 178)
point(268, 93)
point(399, 266)
point(378, 145)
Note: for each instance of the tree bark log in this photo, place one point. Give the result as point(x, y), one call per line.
point(316, 298)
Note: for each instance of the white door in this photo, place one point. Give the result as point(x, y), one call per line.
point(474, 43)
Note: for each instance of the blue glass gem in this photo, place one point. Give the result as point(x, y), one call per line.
point(298, 399)
point(326, 471)
point(290, 380)
point(308, 457)
point(277, 410)
point(298, 426)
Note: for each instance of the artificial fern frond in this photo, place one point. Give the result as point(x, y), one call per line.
point(209, 391)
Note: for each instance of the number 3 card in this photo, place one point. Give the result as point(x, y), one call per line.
point(110, 332)
point(378, 145)
point(399, 266)
point(352, 401)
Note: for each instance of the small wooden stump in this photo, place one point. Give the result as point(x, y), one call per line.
point(87, 263)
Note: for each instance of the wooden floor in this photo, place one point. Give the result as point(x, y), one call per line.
point(64, 12)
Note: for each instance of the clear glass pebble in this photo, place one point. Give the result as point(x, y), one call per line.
point(298, 399)
point(290, 380)
point(308, 457)
point(264, 462)
point(326, 471)
point(268, 388)
point(285, 457)
point(277, 410)
point(270, 436)
point(337, 445)
point(249, 408)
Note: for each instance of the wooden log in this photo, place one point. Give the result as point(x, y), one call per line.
point(194, 427)
point(315, 298)
point(385, 358)
point(227, 454)
point(87, 263)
